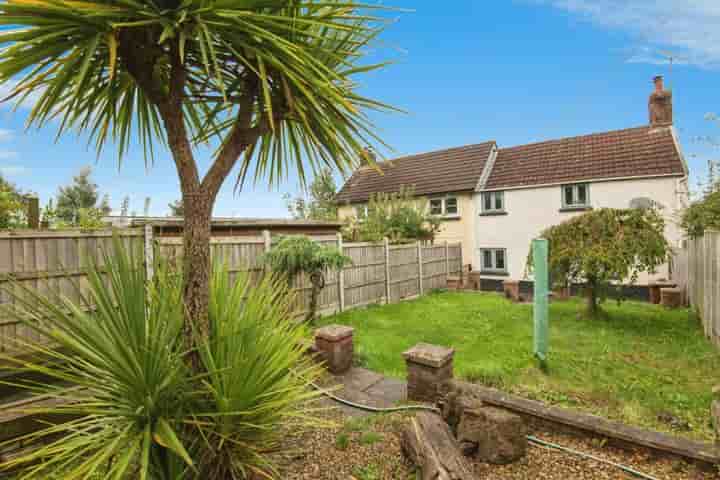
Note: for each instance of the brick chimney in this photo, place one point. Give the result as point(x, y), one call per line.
point(660, 105)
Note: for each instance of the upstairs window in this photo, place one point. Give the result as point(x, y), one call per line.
point(576, 196)
point(445, 207)
point(436, 206)
point(494, 260)
point(493, 202)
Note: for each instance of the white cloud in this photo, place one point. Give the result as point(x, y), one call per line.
point(13, 170)
point(687, 30)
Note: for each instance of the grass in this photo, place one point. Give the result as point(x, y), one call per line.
point(636, 364)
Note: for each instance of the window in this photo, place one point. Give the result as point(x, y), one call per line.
point(494, 260)
point(436, 206)
point(493, 201)
point(361, 211)
point(447, 207)
point(576, 196)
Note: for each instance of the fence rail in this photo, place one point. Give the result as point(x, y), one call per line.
point(57, 262)
point(699, 266)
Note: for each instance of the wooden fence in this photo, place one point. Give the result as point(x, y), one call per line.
point(701, 261)
point(57, 262)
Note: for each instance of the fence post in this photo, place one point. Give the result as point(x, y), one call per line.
point(447, 259)
point(341, 276)
point(387, 269)
point(420, 266)
point(149, 253)
point(267, 239)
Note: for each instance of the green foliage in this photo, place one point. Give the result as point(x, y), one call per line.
point(138, 411)
point(399, 216)
point(702, 215)
point(78, 202)
point(298, 254)
point(605, 247)
point(295, 254)
point(176, 208)
point(320, 204)
point(106, 68)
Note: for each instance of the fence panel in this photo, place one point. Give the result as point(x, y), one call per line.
point(365, 278)
point(50, 263)
point(404, 272)
point(697, 268)
point(57, 262)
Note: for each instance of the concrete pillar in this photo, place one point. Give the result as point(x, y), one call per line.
point(429, 372)
point(335, 344)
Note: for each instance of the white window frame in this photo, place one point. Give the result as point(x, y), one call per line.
point(444, 202)
point(442, 206)
point(575, 195)
point(493, 254)
point(493, 201)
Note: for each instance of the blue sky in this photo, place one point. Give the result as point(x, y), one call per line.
point(466, 71)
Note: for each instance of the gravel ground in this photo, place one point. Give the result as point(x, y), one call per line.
point(369, 449)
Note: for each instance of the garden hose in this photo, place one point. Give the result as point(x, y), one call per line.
point(625, 469)
point(532, 439)
point(368, 408)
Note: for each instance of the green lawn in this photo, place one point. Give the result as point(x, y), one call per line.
point(638, 363)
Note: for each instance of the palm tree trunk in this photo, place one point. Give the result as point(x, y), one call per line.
point(196, 271)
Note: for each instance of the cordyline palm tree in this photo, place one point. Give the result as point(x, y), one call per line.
point(268, 81)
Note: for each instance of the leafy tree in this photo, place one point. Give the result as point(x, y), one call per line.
point(271, 83)
point(702, 215)
point(176, 209)
point(398, 216)
point(605, 247)
point(81, 194)
point(298, 254)
point(12, 206)
point(320, 203)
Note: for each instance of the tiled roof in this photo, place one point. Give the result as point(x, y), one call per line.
point(443, 171)
point(635, 152)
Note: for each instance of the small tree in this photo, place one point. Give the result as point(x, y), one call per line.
point(176, 209)
point(81, 194)
point(399, 216)
point(702, 215)
point(12, 206)
point(297, 254)
point(320, 202)
point(605, 247)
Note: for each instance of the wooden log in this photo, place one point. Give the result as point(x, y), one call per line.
point(428, 442)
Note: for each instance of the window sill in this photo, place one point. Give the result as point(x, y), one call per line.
point(576, 209)
point(450, 217)
point(494, 273)
point(494, 214)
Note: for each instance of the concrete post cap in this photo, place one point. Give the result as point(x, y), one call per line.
point(334, 333)
point(429, 355)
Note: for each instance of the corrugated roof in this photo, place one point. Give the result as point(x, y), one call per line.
point(442, 171)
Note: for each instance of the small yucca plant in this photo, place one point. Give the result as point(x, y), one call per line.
point(137, 410)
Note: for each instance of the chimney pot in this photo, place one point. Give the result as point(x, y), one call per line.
point(660, 104)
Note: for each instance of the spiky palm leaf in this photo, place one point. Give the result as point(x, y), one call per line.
point(135, 410)
point(105, 67)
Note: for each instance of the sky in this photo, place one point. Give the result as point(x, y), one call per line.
point(466, 71)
